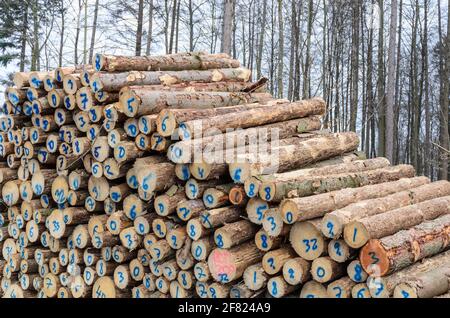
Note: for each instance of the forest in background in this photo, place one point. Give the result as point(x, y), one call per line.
point(383, 66)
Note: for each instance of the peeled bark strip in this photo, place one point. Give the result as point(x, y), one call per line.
point(426, 285)
point(267, 189)
point(229, 265)
point(358, 233)
point(254, 117)
point(139, 101)
point(392, 253)
point(293, 157)
point(306, 208)
point(185, 151)
point(112, 82)
point(335, 221)
point(171, 62)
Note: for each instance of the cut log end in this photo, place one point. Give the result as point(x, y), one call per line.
point(289, 211)
point(307, 241)
point(356, 234)
point(237, 196)
point(374, 258)
point(404, 290)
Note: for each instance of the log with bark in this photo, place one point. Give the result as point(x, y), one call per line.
point(335, 221)
point(383, 256)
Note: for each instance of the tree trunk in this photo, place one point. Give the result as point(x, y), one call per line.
point(380, 85)
point(24, 37)
point(150, 28)
point(35, 48)
point(169, 120)
point(113, 82)
point(358, 233)
point(140, 18)
point(425, 285)
point(257, 117)
point(77, 32)
point(85, 52)
point(172, 26)
point(390, 96)
point(294, 156)
point(393, 253)
point(426, 84)
point(175, 62)
point(183, 152)
point(269, 184)
point(306, 70)
point(261, 40)
point(227, 26)
point(354, 66)
point(320, 184)
point(139, 101)
point(306, 208)
point(94, 30)
point(338, 219)
point(444, 91)
point(280, 49)
point(383, 287)
point(61, 38)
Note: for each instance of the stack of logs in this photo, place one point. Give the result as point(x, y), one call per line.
point(109, 190)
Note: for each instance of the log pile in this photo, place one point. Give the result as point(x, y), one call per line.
point(176, 177)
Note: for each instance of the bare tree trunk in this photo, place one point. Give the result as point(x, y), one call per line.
point(150, 28)
point(272, 49)
point(425, 83)
point(191, 26)
point(390, 96)
point(23, 37)
point(306, 70)
point(61, 36)
point(35, 51)
point(414, 93)
point(172, 26)
point(94, 30)
point(298, 53)
point(444, 71)
point(292, 53)
point(77, 32)
point(140, 23)
point(85, 32)
point(166, 25)
point(354, 66)
point(261, 40)
point(380, 85)
point(227, 25)
point(177, 27)
point(280, 49)
point(397, 87)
